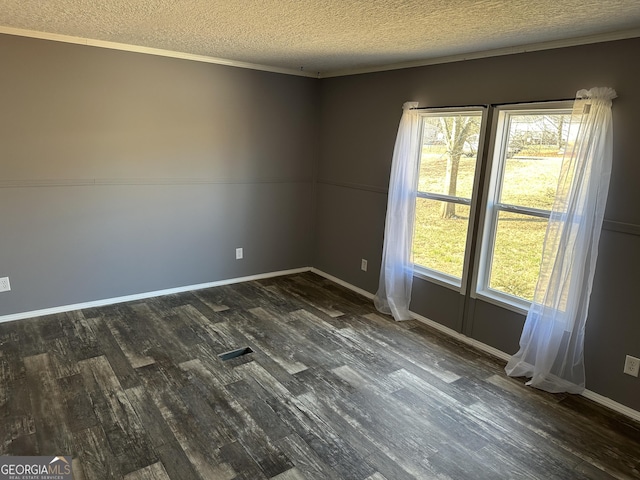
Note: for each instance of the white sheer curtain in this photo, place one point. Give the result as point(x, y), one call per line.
point(552, 342)
point(396, 272)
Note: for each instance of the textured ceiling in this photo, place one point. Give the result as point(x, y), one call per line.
point(323, 36)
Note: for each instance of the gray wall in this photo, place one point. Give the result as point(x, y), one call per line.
point(123, 173)
point(359, 120)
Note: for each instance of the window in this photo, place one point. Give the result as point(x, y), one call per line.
point(448, 164)
point(521, 175)
point(527, 156)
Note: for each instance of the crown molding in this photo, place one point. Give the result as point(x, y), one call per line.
point(533, 47)
point(151, 51)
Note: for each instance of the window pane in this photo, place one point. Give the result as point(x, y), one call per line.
point(449, 153)
point(440, 236)
point(517, 254)
point(533, 157)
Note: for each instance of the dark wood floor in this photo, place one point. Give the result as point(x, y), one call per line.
point(332, 390)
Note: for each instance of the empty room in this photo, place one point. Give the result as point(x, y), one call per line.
point(319, 240)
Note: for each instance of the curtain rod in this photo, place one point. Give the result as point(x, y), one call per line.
point(498, 104)
point(534, 101)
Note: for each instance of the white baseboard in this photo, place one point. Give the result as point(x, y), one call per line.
point(463, 338)
point(612, 404)
point(593, 396)
point(362, 292)
point(142, 296)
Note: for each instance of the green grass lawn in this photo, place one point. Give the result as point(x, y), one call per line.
point(439, 244)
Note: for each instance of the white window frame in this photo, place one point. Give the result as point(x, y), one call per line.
point(491, 206)
point(437, 277)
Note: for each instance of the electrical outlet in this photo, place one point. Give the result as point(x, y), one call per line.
point(5, 286)
point(632, 366)
point(239, 254)
point(363, 265)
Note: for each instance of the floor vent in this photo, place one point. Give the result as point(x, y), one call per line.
point(238, 352)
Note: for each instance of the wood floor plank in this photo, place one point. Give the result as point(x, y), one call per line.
point(169, 451)
point(109, 347)
point(450, 420)
point(324, 383)
point(51, 327)
point(235, 339)
point(200, 325)
point(200, 438)
point(312, 295)
point(241, 462)
point(409, 446)
point(360, 349)
point(248, 396)
point(365, 443)
point(387, 467)
point(293, 474)
point(314, 330)
point(305, 459)
point(172, 338)
point(16, 420)
point(376, 476)
point(270, 343)
point(77, 403)
point(285, 337)
point(95, 456)
point(430, 395)
point(127, 437)
point(151, 472)
point(22, 443)
point(62, 356)
point(29, 334)
point(205, 463)
point(372, 456)
point(52, 430)
point(575, 440)
point(202, 308)
point(234, 419)
point(84, 338)
point(78, 471)
point(456, 462)
point(11, 364)
point(262, 297)
point(528, 447)
point(505, 465)
point(132, 337)
point(588, 471)
point(221, 299)
point(302, 420)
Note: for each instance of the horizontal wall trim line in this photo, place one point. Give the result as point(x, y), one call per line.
point(142, 296)
point(83, 182)
point(593, 396)
point(621, 227)
point(609, 225)
point(152, 51)
point(355, 186)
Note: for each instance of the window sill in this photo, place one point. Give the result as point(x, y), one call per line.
point(521, 307)
point(434, 277)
